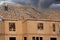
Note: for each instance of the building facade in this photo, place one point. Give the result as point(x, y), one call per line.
point(26, 23)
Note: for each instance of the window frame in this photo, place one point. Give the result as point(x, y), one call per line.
point(41, 38)
point(33, 38)
point(41, 26)
point(12, 38)
point(25, 38)
point(54, 27)
point(12, 26)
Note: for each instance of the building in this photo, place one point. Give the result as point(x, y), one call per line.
point(18, 22)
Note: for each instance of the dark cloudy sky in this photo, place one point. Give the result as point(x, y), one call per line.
point(39, 3)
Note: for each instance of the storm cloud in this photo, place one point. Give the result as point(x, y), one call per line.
point(36, 3)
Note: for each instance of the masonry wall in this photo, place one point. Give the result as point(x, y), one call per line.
point(29, 29)
point(2, 30)
point(2, 27)
point(32, 27)
point(5, 34)
point(18, 33)
point(47, 33)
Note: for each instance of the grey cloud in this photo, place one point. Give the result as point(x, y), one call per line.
point(55, 6)
point(36, 3)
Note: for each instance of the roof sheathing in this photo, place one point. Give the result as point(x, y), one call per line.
point(17, 12)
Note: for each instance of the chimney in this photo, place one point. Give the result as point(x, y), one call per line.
point(5, 6)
